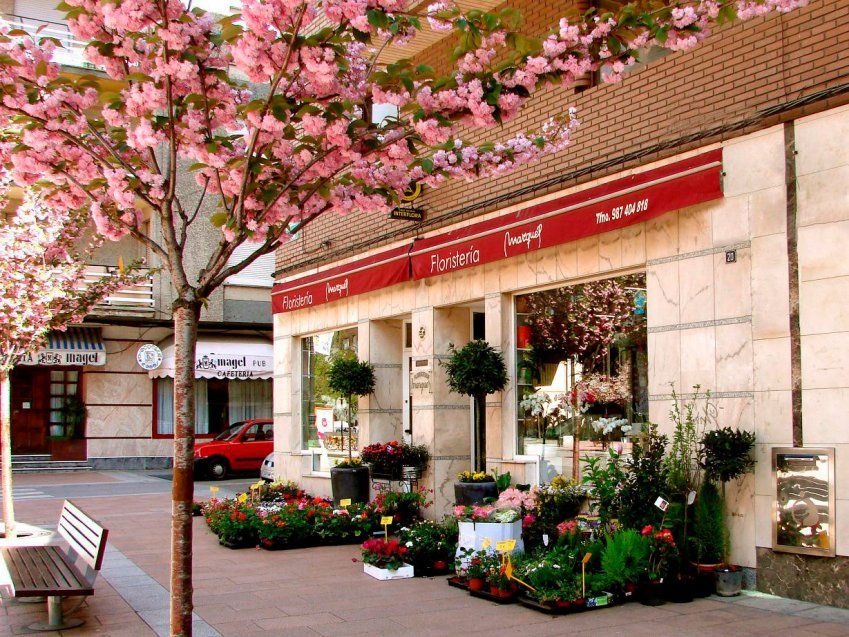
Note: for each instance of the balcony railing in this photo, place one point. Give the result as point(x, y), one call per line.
point(72, 51)
point(136, 298)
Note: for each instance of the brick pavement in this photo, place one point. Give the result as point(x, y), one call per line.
point(322, 592)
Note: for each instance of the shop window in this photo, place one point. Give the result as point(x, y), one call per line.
point(218, 403)
point(323, 412)
point(65, 403)
point(581, 364)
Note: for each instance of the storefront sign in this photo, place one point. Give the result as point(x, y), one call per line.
point(232, 367)
point(407, 214)
point(149, 356)
point(611, 206)
point(63, 357)
point(374, 273)
point(75, 347)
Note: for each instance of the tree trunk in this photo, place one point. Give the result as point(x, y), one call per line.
point(480, 433)
point(6, 455)
point(182, 491)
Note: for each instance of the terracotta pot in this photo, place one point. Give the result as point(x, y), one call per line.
point(475, 583)
point(493, 589)
point(440, 565)
point(563, 603)
point(504, 593)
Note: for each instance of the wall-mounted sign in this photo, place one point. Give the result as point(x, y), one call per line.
point(408, 214)
point(803, 515)
point(149, 356)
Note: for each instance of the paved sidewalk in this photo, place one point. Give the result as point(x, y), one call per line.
point(323, 592)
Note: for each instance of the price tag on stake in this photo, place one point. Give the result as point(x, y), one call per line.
point(486, 543)
point(505, 546)
point(214, 490)
point(661, 504)
point(345, 503)
point(386, 520)
point(586, 559)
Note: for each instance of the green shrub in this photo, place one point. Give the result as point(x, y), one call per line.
point(709, 534)
point(625, 557)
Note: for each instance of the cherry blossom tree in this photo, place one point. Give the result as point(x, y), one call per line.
point(42, 289)
point(269, 113)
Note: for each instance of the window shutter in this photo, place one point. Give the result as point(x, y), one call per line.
point(257, 274)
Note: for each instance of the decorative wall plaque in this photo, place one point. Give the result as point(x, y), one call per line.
point(803, 516)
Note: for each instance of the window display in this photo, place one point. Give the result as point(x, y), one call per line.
point(581, 368)
point(323, 411)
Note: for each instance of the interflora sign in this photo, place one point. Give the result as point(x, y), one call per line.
point(611, 206)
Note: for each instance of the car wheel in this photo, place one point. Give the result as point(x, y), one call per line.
point(217, 468)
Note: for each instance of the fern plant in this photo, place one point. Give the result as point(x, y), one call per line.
point(625, 557)
point(709, 533)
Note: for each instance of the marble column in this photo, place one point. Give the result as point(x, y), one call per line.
point(441, 418)
point(380, 414)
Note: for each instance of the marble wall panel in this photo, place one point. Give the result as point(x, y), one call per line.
point(822, 306)
point(768, 211)
point(821, 141)
point(662, 236)
point(119, 420)
point(822, 251)
point(819, 200)
point(696, 289)
point(754, 162)
point(695, 228)
point(730, 217)
point(663, 290)
point(732, 285)
point(610, 251)
point(118, 389)
point(588, 256)
point(634, 245)
point(825, 360)
point(774, 417)
point(734, 361)
point(824, 418)
point(664, 361)
point(772, 363)
point(698, 358)
point(770, 304)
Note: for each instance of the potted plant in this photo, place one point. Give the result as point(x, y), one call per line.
point(707, 543)
point(661, 552)
point(414, 461)
point(726, 456)
point(384, 559)
point(476, 571)
point(476, 370)
point(350, 377)
point(473, 487)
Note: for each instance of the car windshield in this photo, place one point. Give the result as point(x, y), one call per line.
point(231, 432)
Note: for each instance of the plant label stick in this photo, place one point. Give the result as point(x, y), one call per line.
point(505, 546)
point(584, 561)
point(345, 503)
point(385, 521)
point(661, 504)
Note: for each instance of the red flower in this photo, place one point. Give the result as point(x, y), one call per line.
point(647, 530)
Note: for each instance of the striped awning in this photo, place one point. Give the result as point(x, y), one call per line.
point(75, 346)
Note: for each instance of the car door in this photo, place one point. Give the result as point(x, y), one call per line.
point(268, 444)
point(252, 447)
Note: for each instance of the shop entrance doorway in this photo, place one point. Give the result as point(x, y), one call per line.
point(30, 410)
point(406, 386)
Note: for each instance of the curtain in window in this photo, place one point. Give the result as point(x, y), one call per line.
point(165, 406)
point(201, 406)
point(249, 399)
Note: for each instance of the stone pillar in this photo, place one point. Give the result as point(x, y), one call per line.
point(500, 443)
point(380, 415)
point(441, 418)
point(286, 401)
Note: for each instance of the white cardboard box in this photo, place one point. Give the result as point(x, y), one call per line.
point(404, 572)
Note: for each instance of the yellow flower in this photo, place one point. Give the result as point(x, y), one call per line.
point(243, 497)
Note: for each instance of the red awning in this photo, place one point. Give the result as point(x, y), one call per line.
point(358, 277)
point(611, 206)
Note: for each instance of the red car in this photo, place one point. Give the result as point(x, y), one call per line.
point(241, 447)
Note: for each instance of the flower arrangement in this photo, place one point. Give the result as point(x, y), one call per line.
point(475, 476)
point(404, 506)
point(388, 554)
point(388, 458)
point(662, 552)
point(350, 463)
point(517, 500)
point(601, 388)
point(473, 512)
point(430, 545)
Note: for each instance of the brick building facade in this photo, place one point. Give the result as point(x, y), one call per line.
point(738, 290)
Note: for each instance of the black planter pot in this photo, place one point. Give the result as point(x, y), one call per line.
point(466, 493)
point(349, 483)
point(681, 589)
point(652, 594)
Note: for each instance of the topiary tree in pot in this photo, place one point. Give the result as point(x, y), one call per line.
point(350, 377)
point(726, 456)
point(477, 369)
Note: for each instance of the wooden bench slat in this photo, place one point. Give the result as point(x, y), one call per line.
point(85, 535)
point(43, 570)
